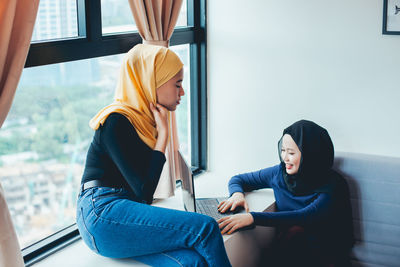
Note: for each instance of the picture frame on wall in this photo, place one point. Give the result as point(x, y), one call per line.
point(391, 17)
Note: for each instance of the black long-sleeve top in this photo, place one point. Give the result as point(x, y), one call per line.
point(119, 158)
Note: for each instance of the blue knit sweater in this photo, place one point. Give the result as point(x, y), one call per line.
point(291, 210)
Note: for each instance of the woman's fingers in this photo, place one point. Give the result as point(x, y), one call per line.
point(221, 203)
point(222, 219)
point(246, 206)
point(152, 108)
point(232, 223)
point(233, 229)
point(229, 226)
point(155, 110)
point(225, 207)
point(158, 108)
point(224, 225)
point(222, 206)
point(226, 229)
point(160, 114)
point(162, 109)
point(232, 203)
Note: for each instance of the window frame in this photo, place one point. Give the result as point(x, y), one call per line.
point(91, 43)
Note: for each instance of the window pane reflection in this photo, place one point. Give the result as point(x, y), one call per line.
point(55, 20)
point(117, 17)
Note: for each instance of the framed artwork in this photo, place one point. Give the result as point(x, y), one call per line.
point(391, 17)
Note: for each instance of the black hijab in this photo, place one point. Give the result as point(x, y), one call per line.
point(317, 154)
point(315, 174)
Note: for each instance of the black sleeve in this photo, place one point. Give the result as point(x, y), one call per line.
point(139, 164)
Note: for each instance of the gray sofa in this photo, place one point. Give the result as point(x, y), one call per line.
point(374, 183)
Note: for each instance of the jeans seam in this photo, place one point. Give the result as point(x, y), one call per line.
point(180, 264)
point(87, 230)
point(148, 225)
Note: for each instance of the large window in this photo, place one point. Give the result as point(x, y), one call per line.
point(71, 73)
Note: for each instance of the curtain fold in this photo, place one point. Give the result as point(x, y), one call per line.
point(156, 20)
point(17, 19)
point(10, 252)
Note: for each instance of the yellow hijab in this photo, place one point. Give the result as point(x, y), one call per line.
point(145, 68)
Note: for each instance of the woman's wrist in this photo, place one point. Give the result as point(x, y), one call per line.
point(163, 135)
point(161, 142)
point(251, 218)
point(238, 194)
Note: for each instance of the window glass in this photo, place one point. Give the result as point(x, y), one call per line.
point(183, 110)
point(44, 141)
point(182, 19)
point(117, 17)
point(56, 19)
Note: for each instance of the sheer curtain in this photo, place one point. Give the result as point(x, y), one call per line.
point(156, 20)
point(17, 18)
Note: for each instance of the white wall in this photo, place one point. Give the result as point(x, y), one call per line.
point(273, 62)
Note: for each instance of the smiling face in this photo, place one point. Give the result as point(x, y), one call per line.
point(290, 155)
point(169, 94)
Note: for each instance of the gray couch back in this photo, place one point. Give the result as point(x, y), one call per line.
point(374, 183)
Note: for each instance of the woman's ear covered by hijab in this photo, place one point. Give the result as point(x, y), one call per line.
point(317, 152)
point(143, 69)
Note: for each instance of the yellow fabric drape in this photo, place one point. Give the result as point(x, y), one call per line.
point(144, 69)
point(17, 19)
point(156, 20)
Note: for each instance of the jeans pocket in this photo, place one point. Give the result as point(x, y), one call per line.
point(84, 232)
point(104, 192)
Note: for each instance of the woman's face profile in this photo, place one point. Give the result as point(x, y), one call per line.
point(169, 94)
point(290, 154)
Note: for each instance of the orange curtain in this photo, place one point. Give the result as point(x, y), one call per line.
point(17, 19)
point(156, 20)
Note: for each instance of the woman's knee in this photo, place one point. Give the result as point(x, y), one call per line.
point(294, 234)
point(210, 224)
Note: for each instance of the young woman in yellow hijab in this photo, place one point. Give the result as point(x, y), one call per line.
point(123, 168)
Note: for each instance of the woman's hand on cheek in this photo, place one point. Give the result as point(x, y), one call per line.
point(232, 223)
point(161, 117)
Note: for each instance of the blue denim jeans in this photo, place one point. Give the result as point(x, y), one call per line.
point(113, 225)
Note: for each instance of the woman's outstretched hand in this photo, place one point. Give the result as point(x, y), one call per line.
point(160, 114)
point(230, 224)
point(236, 200)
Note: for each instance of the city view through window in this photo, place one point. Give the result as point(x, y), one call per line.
point(44, 140)
point(116, 16)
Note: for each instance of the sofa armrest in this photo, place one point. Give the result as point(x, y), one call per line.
point(271, 208)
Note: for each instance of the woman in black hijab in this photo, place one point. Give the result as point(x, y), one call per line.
point(313, 214)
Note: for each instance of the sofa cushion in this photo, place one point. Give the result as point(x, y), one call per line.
point(374, 184)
